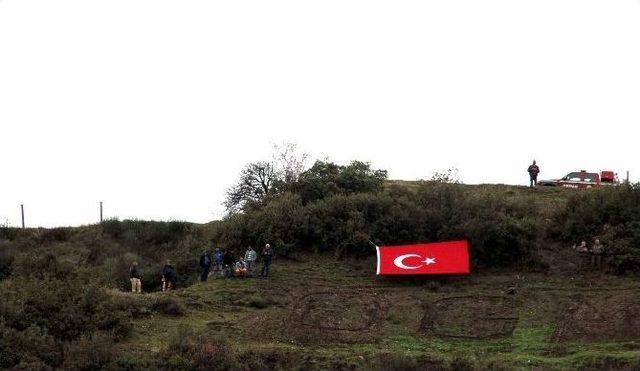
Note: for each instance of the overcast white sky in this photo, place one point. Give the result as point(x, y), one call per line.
point(155, 106)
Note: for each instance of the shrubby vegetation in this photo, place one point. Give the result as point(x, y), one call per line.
point(611, 214)
point(60, 304)
point(502, 232)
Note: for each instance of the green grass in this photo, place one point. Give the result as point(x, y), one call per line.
point(225, 306)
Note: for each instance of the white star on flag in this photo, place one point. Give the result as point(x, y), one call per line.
point(429, 261)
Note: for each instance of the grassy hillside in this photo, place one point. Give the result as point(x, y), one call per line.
point(527, 304)
point(318, 312)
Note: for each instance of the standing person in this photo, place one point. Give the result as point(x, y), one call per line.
point(533, 171)
point(267, 254)
point(205, 264)
point(250, 257)
point(135, 276)
point(168, 277)
point(217, 257)
point(597, 250)
point(583, 254)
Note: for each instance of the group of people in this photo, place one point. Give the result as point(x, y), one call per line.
point(211, 264)
point(168, 277)
point(590, 255)
point(225, 265)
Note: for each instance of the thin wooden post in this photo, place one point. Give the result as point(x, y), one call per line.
point(100, 211)
point(22, 212)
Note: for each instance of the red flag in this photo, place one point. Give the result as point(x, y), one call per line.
point(451, 257)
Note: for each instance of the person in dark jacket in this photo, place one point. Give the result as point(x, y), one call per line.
point(135, 276)
point(168, 277)
point(267, 254)
point(205, 264)
point(533, 171)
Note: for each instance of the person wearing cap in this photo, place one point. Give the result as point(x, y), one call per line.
point(267, 254)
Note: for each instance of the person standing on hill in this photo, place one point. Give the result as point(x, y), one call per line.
point(135, 276)
point(217, 257)
point(205, 264)
point(168, 277)
point(533, 171)
point(597, 250)
point(250, 257)
point(267, 254)
point(583, 254)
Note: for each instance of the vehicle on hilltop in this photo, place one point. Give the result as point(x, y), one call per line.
point(583, 179)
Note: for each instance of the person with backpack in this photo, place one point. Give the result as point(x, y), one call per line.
point(135, 276)
point(267, 254)
point(168, 277)
point(205, 265)
point(533, 171)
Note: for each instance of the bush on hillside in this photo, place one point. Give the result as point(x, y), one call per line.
point(39, 314)
point(611, 214)
point(326, 179)
point(145, 233)
point(7, 256)
point(32, 344)
point(502, 232)
point(64, 308)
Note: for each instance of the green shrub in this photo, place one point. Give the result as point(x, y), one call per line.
point(91, 352)
point(7, 256)
point(611, 214)
point(502, 231)
point(53, 235)
point(65, 309)
point(187, 350)
point(29, 346)
point(168, 306)
point(325, 179)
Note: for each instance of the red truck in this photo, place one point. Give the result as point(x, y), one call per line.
point(582, 179)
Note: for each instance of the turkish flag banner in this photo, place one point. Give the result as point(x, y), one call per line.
point(437, 258)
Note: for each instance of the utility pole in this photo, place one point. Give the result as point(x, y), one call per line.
point(627, 176)
point(100, 211)
point(22, 211)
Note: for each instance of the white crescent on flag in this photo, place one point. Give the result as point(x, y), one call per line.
point(399, 261)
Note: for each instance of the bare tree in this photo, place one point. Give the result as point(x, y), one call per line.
point(289, 162)
point(263, 179)
point(256, 182)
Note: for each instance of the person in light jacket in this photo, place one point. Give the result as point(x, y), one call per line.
point(250, 257)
